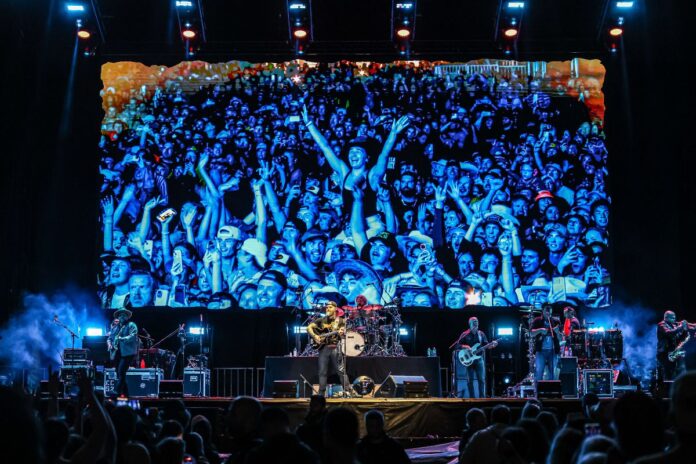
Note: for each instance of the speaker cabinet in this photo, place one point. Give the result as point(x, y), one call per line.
point(405, 386)
point(568, 376)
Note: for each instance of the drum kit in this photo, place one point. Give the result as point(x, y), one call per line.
point(371, 330)
point(593, 348)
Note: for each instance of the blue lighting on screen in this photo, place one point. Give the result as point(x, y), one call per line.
point(95, 332)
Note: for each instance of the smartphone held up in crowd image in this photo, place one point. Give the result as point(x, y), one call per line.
point(161, 217)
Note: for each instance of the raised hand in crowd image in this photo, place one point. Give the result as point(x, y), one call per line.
point(278, 189)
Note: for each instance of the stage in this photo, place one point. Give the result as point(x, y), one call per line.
point(404, 417)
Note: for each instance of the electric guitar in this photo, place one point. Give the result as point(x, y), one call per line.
point(112, 343)
point(467, 356)
point(679, 352)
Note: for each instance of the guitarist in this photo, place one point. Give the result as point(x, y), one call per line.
point(123, 344)
point(477, 369)
point(326, 333)
point(547, 343)
point(670, 333)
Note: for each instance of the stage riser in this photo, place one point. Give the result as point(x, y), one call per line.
point(377, 368)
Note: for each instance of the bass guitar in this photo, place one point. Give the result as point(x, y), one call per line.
point(467, 356)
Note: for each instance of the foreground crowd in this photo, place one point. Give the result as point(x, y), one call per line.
point(630, 429)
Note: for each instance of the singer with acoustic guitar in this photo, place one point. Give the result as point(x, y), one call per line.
point(326, 332)
point(123, 345)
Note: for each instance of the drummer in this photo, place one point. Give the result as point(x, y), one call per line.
point(570, 324)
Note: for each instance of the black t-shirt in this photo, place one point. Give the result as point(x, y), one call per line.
point(541, 322)
point(471, 338)
point(324, 325)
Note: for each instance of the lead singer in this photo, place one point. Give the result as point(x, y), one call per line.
point(123, 344)
point(326, 333)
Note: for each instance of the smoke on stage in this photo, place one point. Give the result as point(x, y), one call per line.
point(32, 338)
point(637, 324)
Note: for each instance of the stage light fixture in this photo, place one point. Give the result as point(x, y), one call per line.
point(403, 331)
point(183, 4)
point(616, 31)
point(75, 8)
point(503, 331)
point(624, 5)
point(297, 6)
point(84, 34)
point(95, 332)
point(299, 329)
point(197, 330)
point(188, 33)
point(403, 32)
point(511, 32)
point(515, 5)
point(404, 5)
point(300, 33)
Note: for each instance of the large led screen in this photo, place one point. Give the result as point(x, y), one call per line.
point(267, 185)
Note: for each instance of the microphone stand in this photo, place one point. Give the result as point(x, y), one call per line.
point(171, 334)
point(73, 336)
point(201, 379)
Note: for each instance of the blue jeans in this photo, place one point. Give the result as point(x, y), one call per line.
point(545, 359)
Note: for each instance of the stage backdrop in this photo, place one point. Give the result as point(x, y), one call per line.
point(286, 184)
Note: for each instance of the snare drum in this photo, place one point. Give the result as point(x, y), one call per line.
point(353, 344)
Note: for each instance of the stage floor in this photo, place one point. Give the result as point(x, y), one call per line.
point(405, 417)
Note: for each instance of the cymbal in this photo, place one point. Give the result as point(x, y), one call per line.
point(372, 307)
point(528, 309)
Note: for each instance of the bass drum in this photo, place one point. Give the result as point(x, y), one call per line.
point(353, 344)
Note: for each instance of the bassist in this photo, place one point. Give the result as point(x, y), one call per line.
point(123, 344)
point(477, 369)
point(326, 333)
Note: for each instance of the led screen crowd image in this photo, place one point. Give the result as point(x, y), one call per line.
point(267, 185)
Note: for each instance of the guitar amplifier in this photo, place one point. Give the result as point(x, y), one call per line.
point(144, 383)
point(568, 376)
point(77, 354)
point(196, 382)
